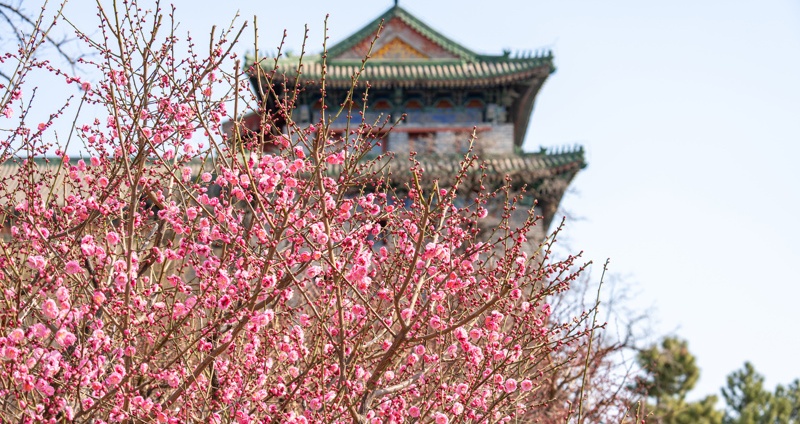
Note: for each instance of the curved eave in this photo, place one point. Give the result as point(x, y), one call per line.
point(544, 174)
point(522, 109)
point(418, 73)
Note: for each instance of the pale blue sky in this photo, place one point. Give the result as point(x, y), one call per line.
point(690, 114)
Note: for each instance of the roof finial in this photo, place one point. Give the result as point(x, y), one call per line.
point(395, 2)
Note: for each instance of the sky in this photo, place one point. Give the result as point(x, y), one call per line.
point(689, 112)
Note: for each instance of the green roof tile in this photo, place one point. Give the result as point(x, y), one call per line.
point(421, 73)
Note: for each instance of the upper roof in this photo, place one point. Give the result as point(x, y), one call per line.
point(421, 74)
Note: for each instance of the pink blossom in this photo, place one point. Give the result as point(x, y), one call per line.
point(16, 335)
point(260, 394)
point(9, 352)
point(413, 411)
point(62, 294)
point(22, 206)
point(336, 158)
point(179, 310)
point(44, 387)
point(224, 302)
point(114, 379)
point(526, 385)
point(498, 379)
point(191, 301)
point(37, 262)
point(440, 418)
point(49, 308)
point(88, 246)
point(112, 238)
point(436, 323)
point(65, 338)
point(39, 330)
point(72, 267)
point(492, 322)
point(269, 315)
point(510, 386)
point(475, 334)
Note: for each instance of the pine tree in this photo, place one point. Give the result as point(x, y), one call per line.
point(748, 402)
point(669, 373)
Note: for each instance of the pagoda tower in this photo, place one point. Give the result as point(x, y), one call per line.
point(444, 91)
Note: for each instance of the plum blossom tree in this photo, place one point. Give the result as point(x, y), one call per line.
point(174, 272)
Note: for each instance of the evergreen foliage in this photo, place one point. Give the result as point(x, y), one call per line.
point(669, 373)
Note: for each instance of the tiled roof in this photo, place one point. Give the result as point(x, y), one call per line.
point(526, 169)
point(544, 164)
point(419, 73)
point(464, 69)
point(536, 171)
